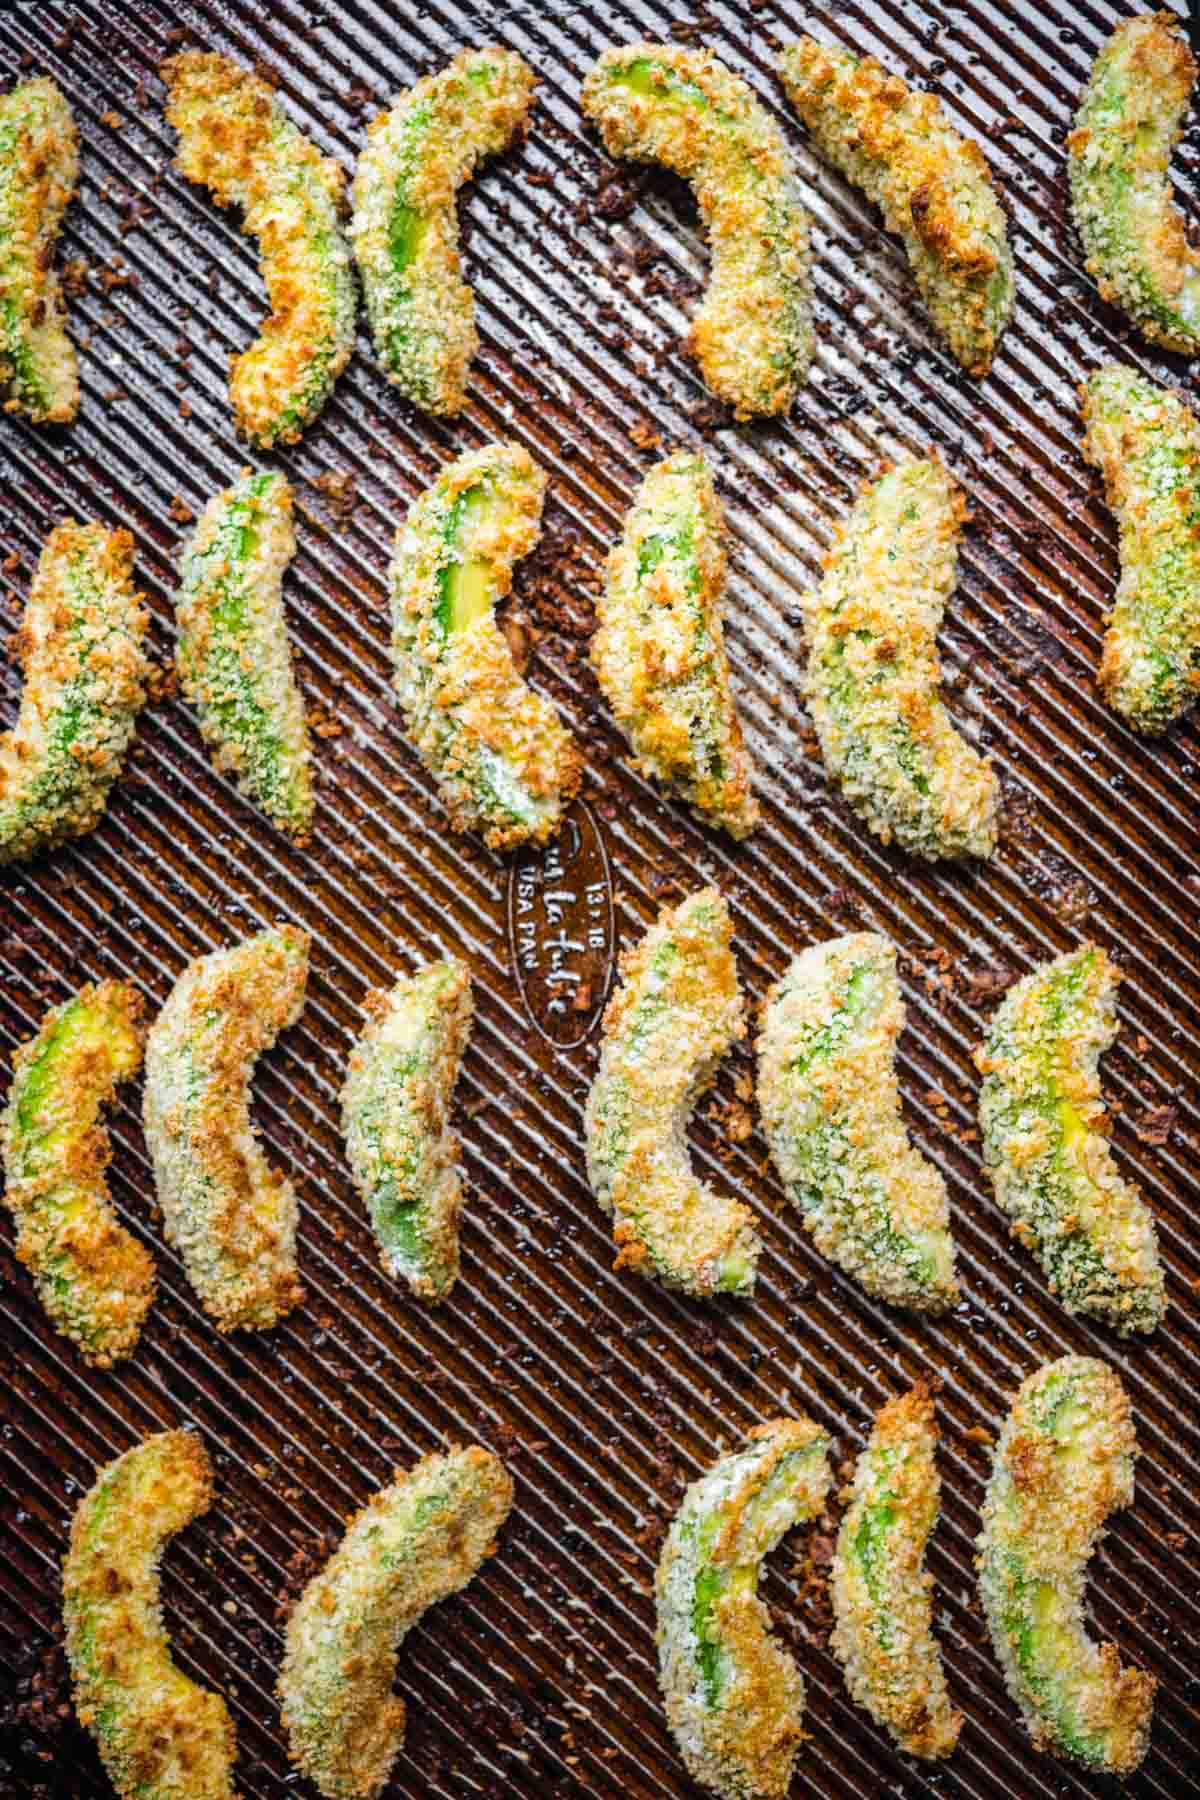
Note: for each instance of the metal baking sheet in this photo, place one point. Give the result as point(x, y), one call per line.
point(604, 1395)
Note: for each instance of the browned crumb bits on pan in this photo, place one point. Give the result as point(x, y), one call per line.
point(340, 489)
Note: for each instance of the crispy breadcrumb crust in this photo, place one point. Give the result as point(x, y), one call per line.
point(752, 333)
point(1042, 1118)
point(734, 1698)
point(94, 1279)
point(416, 1542)
point(1145, 441)
point(1134, 236)
point(874, 672)
point(659, 650)
point(39, 173)
point(1064, 1462)
point(504, 762)
point(666, 1028)
point(160, 1736)
point(80, 645)
point(830, 1105)
point(230, 1215)
point(396, 1121)
point(236, 140)
point(933, 186)
point(404, 230)
point(233, 659)
point(883, 1634)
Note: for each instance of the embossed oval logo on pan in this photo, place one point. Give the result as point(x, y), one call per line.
point(562, 929)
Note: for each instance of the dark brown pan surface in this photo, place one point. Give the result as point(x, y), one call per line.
point(605, 1396)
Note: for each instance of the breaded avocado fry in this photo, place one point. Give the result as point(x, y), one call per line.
point(233, 659)
point(734, 1698)
point(752, 333)
point(95, 1281)
point(160, 1736)
point(882, 1632)
point(39, 172)
point(1133, 234)
point(933, 186)
point(874, 673)
point(1064, 1462)
point(830, 1105)
point(1145, 441)
point(504, 762)
point(675, 1015)
point(81, 647)
point(1041, 1116)
point(659, 651)
point(229, 1214)
point(416, 1542)
point(395, 1116)
point(405, 226)
point(236, 140)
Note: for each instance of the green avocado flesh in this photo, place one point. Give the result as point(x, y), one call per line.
point(466, 585)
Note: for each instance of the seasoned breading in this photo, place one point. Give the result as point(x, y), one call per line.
point(395, 1117)
point(752, 333)
point(229, 1214)
point(659, 650)
point(233, 659)
point(830, 1105)
point(416, 1542)
point(1145, 440)
point(505, 764)
point(1133, 234)
point(95, 1281)
point(734, 1697)
point(1064, 1462)
point(874, 672)
point(1041, 1117)
point(236, 140)
point(883, 1633)
point(666, 1029)
point(933, 186)
point(39, 172)
point(405, 226)
point(81, 647)
point(160, 1736)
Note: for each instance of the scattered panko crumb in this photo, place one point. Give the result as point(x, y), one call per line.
point(75, 277)
point(338, 487)
point(985, 982)
point(521, 637)
point(115, 275)
point(161, 684)
point(1156, 1125)
point(323, 722)
point(734, 1120)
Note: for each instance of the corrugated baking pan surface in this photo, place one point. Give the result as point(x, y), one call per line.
point(604, 1395)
